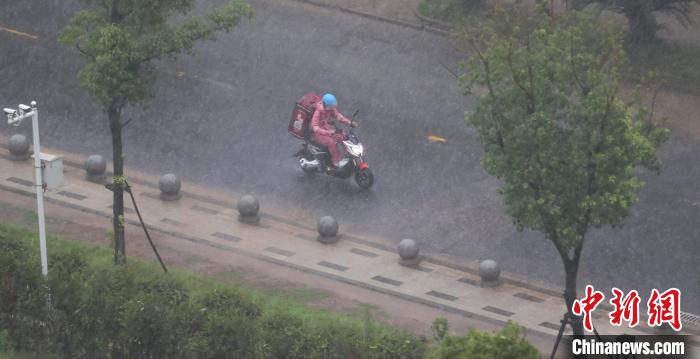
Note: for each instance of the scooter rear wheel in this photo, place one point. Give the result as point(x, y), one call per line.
point(364, 178)
point(309, 171)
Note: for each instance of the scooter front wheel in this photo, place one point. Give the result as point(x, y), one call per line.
point(364, 178)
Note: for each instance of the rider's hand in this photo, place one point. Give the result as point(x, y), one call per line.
point(338, 136)
point(354, 124)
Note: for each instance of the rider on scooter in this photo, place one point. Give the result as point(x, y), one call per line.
point(322, 131)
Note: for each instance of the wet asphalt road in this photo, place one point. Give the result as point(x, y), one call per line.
point(220, 119)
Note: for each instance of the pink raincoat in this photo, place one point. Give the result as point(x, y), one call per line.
point(323, 132)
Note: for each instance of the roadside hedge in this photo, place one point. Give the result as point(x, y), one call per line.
point(99, 310)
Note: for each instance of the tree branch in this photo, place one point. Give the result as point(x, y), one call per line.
point(584, 89)
point(127, 122)
point(592, 168)
point(84, 53)
point(487, 70)
point(562, 253)
point(528, 95)
point(530, 75)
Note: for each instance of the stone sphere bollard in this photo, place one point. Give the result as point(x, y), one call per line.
point(327, 230)
point(169, 185)
point(489, 272)
point(248, 208)
point(408, 253)
point(19, 147)
point(95, 167)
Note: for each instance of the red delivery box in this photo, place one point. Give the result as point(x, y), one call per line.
point(301, 115)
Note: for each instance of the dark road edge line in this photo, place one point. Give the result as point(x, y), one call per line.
point(376, 17)
point(300, 268)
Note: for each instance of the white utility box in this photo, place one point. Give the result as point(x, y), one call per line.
point(51, 170)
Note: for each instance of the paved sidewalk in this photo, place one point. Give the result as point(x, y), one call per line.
point(206, 218)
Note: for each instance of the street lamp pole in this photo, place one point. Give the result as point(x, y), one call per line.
point(15, 117)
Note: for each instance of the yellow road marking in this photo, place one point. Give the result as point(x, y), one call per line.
point(19, 33)
point(436, 139)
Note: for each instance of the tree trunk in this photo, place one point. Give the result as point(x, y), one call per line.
point(571, 270)
point(643, 24)
point(570, 296)
point(115, 127)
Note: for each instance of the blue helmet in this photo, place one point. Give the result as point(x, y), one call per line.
point(329, 100)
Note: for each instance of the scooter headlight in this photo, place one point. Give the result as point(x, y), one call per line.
point(354, 149)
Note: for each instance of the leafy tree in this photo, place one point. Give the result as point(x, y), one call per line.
point(509, 343)
point(554, 129)
point(119, 41)
point(641, 14)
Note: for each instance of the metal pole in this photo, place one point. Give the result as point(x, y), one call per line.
point(39, 184)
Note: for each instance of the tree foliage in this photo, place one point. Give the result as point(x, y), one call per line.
point(119, 41)
point(553, 126)
point(641, 14)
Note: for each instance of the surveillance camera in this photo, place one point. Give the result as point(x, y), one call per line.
point(9, 111)
point(24, 108)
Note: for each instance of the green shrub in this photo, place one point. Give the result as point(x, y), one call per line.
point(5, 342)
point(225, 334)
point(99, 310)
point(103, 301)
point(230, 299)
point(158, 321)
point(509, 343)
point(66, 277)
point(283, 335)
point(395, 345)
point(228, 327)
point(440, 327)
point(23, 294)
